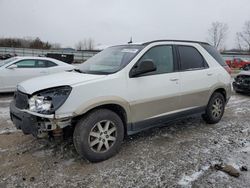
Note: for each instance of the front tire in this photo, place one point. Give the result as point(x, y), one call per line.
point(215, 109)
point(99, 135)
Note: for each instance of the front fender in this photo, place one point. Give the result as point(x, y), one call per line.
point(95, 102)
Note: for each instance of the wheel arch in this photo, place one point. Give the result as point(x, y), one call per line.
point(120, 107)
point(222, 91)
point(223, 86)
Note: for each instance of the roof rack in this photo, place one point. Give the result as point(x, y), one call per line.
point(199, 42)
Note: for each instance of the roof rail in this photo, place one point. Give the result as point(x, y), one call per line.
point(199, 42)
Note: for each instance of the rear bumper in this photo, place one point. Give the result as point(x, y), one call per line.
point(22, 120)
point(241, 87)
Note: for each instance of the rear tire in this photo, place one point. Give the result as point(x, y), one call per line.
point(215, 109)
point(99, 135)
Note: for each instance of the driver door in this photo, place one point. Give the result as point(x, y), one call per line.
point(155, 94)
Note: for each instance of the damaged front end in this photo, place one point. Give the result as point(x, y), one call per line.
point(242, 82)
point(35, 114)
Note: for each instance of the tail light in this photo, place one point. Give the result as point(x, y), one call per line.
point(228, 69)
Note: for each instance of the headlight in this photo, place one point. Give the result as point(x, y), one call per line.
point(49, 100)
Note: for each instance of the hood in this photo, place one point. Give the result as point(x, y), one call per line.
point(244, 73)
point(55, 80)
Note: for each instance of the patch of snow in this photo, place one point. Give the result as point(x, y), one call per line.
point(241, 110)
point(4, 112)
point(205, 150)
point(69, 162)
point(43, 153)
point(186, 181)
point(246, 149)
point(3, 150)
point(9, 130)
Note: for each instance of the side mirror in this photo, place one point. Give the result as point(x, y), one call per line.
point(13, 66)
point(143, 67)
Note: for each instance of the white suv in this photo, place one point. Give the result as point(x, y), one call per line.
point(123, 90)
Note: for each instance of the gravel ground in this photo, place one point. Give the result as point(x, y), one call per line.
point(178, 155)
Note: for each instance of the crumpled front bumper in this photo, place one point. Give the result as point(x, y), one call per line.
point(34, 123)
point(241, 87)
point(22, 120)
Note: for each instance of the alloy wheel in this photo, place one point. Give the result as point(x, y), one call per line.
point(217, 108)
point(102, 136)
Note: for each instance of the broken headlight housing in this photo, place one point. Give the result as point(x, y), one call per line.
point(49, 100)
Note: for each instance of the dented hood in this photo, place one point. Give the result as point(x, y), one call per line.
point(60, 79)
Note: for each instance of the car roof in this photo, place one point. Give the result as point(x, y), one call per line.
point(168, 40)
point(41, 58)
point(163, 40)
point(33, 57)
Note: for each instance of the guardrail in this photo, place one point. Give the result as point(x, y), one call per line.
point(79, 56)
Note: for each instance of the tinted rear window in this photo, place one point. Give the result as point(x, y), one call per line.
point(214, 53)
point(190, 58)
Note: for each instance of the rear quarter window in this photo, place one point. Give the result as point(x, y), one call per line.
point(214, 53)
point(50, 64)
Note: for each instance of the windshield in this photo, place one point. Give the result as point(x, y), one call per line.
point(110, 60)
point(4, 62)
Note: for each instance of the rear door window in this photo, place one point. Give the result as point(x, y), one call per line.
point(190, 58)
point(41, 64)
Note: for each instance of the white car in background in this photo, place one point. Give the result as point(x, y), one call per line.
point(18, 69)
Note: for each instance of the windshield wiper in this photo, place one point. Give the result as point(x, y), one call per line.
point(92, 72)
point(98, 72)
point(78, 70)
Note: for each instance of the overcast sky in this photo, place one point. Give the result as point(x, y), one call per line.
point(111, 22)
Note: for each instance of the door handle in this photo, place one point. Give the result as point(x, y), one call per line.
point(174, 79)
point(209, 74)
point(43, 72)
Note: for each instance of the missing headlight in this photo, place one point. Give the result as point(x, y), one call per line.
point(49, 100)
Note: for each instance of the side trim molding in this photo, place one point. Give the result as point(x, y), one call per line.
point(136, 127)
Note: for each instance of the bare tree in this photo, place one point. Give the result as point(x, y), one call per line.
point(239, 42)
point(79, 45)
point(56, 45)
point(90, 44)
point(217, 34)
point(86, 44)
point(244, 36)
point(24, 43)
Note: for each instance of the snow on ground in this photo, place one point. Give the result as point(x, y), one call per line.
point(4, 112)
point(187, 180)
point(178, 155)
point(7, 127)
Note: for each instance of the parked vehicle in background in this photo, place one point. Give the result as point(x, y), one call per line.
point(124, 90)
point(237, 63)
point(241, 82)
point(246, 67)
point(67, 58)
point(6, 56)
point(18, 69)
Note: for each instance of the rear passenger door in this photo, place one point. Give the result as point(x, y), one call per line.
point(155, 94)
point(196, 79)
